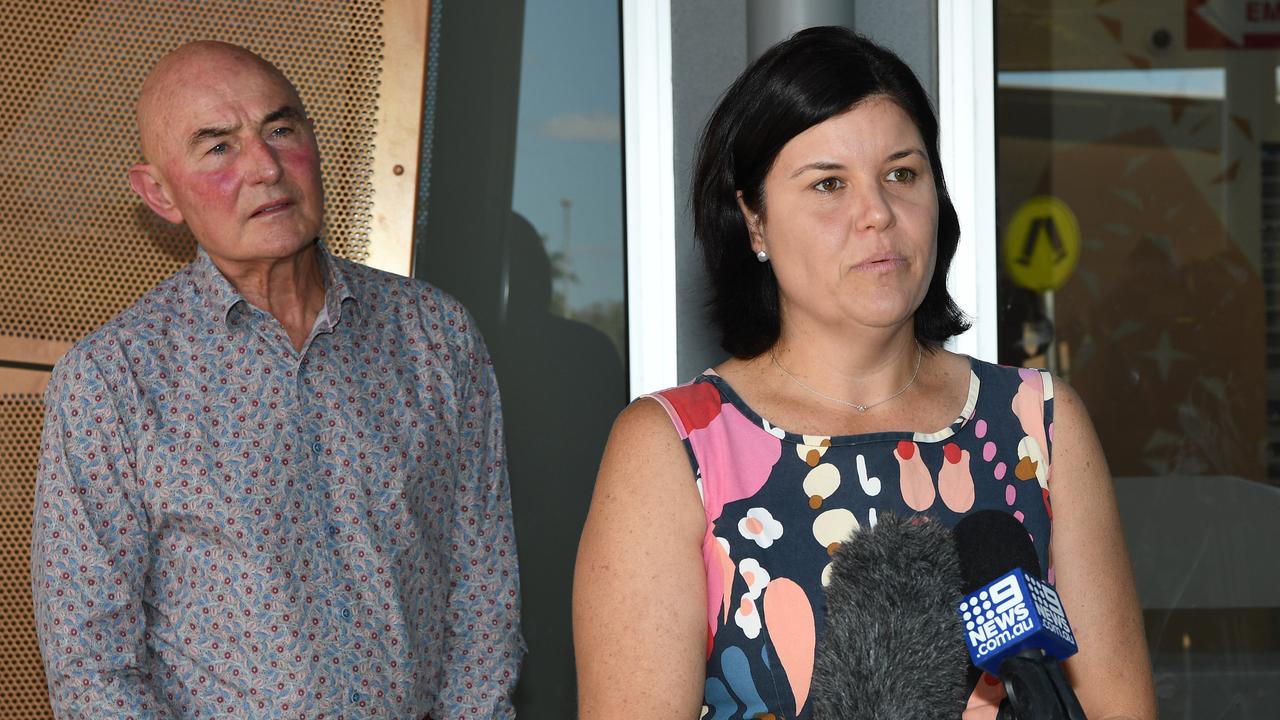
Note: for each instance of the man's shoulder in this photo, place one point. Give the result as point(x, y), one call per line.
point(137, 325)
point(412, 301)
point(170, 299)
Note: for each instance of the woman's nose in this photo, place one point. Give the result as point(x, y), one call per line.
point(871, 209)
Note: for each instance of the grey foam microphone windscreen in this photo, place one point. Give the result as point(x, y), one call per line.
point(892, 645)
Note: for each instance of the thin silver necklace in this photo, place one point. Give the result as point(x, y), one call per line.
point(860, 407)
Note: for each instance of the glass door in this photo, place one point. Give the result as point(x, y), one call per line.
point(521, 217)
point(1138, 203)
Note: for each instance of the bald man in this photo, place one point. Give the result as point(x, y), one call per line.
point(273, 487)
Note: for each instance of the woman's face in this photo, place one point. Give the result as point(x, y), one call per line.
point(850, 220)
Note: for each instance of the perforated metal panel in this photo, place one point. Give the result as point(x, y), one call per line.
point(20, 672)
point(79, 242)
point(76, 245)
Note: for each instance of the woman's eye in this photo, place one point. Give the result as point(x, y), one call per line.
point(902, 175)
point(828, 185)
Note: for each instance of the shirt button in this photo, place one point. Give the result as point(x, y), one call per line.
point(355, 697)
point(317, 447)
point(345, 613)
point(333, 531)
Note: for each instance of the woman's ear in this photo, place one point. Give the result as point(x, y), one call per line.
point(146, 181)
point(752, 219)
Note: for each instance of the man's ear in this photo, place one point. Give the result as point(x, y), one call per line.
point(752, 220)
point(146, 181)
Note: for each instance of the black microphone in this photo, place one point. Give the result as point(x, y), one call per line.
point(1014, 625)
point(991, 543)
point(892, 646)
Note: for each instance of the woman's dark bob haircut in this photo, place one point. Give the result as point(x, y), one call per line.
point(817, 74)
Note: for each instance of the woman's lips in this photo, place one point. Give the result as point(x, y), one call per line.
point(881, 264)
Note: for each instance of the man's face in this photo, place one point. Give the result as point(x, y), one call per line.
point(233, 156)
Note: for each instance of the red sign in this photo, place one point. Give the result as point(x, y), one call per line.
point(1215, 24)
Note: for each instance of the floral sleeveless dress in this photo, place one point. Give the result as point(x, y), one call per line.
point(776, 502)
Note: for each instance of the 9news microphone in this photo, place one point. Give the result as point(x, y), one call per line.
point(1014, 625)
point(892, 644)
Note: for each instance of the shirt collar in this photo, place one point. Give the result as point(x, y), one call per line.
point(337, 286)
point(220, 297)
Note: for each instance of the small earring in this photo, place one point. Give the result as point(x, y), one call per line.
point(762, 256)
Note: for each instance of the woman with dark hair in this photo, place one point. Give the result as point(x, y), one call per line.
point(827, 233)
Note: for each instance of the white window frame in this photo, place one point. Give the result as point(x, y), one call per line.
point(648, 149)
point(966, 113)
point(966, 109)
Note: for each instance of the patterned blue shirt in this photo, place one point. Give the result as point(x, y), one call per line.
point(226, 527)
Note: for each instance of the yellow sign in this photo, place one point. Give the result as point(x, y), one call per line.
point(1041, 244)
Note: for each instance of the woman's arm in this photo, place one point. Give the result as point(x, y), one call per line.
point(1112, 672)
point(639, 590)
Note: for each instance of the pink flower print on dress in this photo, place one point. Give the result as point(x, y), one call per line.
point(757, 578)
point(754, 575)
point(789, 618)
point(736, 458)
point(1035, 389)
point(747, 617)
point(760, 527)
point(719, 568)
point(915, 480)
point(697, 406)
point(955, 482)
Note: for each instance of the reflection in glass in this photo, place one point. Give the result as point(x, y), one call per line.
point(568, 163)
point(520, 217)
point(1161, 136)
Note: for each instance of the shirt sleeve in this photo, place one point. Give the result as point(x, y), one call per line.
point(483, 643)
point(89, 554)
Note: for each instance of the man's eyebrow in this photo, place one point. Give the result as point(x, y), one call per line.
point(287, 112)
point(205, 133)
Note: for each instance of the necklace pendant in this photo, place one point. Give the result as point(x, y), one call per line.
point(856, 406)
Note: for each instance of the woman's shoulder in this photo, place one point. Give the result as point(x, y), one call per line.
point(646, 464)
point(688, 406)
point(649, 419)
point(985, 369)
point(701, 385)
point(1000, 379)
